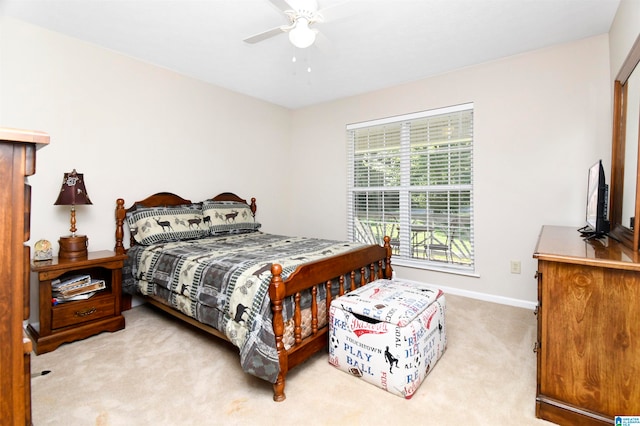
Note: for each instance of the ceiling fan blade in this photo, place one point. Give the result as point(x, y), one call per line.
point(264, 35)
point(281, 4)
point(338, 11)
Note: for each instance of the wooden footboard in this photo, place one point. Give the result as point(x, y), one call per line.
point(366, 263)
point(348, 271)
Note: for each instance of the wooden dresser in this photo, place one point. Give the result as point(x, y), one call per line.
point(17, 161)
point(588, 349)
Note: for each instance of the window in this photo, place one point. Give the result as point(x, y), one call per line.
point(411, 178)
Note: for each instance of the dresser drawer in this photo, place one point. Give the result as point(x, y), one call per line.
point(72, 313)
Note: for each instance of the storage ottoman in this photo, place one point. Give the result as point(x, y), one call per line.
point(389, 333)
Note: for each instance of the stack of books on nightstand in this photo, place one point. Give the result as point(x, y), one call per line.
point(77, 287)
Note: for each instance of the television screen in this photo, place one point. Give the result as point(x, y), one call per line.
point(592, 195)
point(597, 193)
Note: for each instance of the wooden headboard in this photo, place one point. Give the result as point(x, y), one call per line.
point(164, 199)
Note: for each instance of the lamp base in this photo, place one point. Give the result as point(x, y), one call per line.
point(73, 247)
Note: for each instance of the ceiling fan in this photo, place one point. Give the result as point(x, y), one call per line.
point(302, 14)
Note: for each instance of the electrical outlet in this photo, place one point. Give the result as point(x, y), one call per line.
point(515, 267)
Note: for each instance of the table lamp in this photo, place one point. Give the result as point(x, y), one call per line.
point(72, 193)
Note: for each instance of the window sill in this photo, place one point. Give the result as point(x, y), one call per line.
point(432, 266)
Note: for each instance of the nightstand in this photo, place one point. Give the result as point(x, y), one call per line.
point(75, 320)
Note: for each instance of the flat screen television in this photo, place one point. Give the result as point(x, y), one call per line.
point(597, 200)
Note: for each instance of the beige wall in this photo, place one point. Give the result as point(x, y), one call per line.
point(624, 32)
point(125, 123)
point(541, 119)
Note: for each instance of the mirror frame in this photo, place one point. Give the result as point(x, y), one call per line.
point(628, 237)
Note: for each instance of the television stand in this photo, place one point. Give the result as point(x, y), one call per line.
point(592, 235)
point(588, 234)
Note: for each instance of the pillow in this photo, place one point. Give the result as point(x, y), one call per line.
point(227, 217)
point(150, 225)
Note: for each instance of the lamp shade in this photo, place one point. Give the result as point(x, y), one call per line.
point(301, 35)
point(73, 191)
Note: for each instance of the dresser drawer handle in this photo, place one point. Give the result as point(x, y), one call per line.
point(86, 312)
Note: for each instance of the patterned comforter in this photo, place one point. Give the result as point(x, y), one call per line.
point(223, 281)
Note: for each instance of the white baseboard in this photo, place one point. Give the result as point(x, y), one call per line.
point(526, 304)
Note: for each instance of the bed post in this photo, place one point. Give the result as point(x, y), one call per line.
point(277, 294)
point(120, 214)
point(388, 272)
point(253, 206)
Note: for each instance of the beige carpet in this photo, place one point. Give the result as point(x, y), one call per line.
point(160, 372)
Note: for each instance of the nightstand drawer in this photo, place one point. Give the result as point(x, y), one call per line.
point(72, 313)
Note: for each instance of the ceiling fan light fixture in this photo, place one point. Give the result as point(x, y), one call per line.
point(301, 35)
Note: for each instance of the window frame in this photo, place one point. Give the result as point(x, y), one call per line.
point(405, 253)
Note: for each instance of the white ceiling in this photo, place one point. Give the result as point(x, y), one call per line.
point(363, 45)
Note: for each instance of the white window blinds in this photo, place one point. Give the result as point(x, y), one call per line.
point(411, 178)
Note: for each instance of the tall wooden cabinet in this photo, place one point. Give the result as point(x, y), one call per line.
point(17, 161)
point(588, 349)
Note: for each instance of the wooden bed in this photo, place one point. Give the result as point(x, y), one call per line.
point(348, 271)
